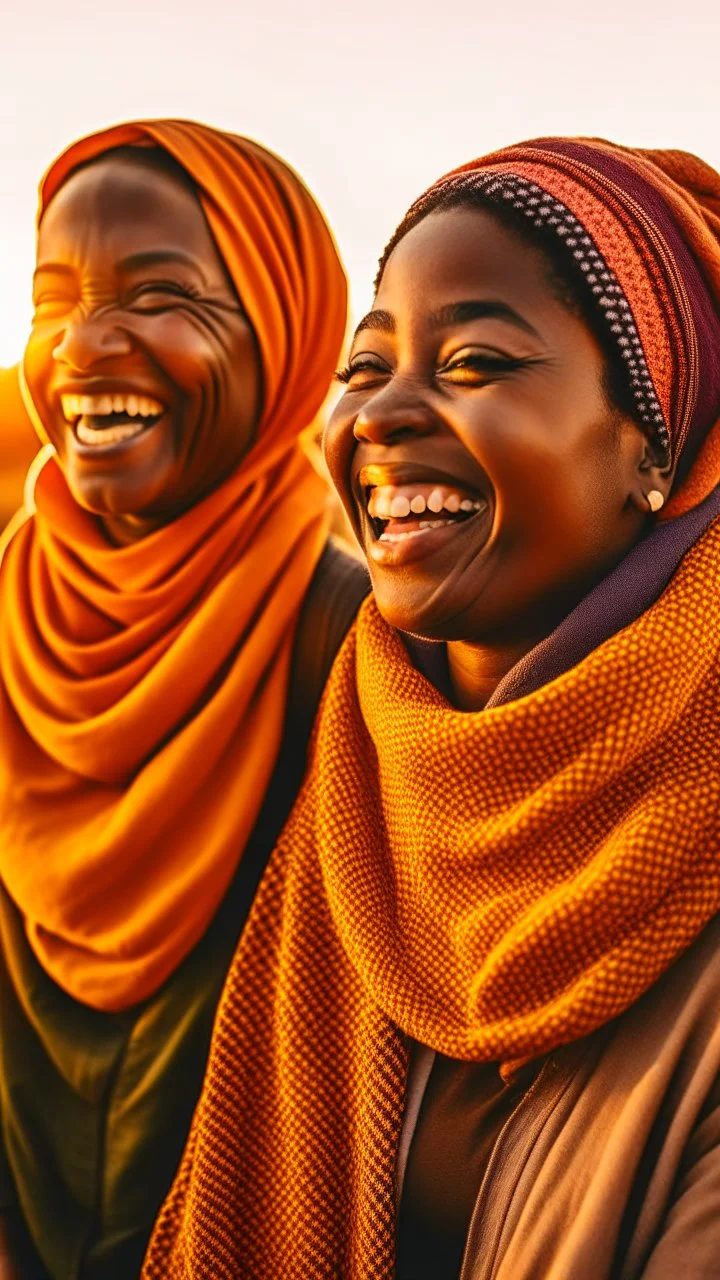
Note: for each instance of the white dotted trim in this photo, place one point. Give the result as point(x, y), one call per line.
point(543, 210)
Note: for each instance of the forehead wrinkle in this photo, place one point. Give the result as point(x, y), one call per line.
point(53, 268)
point(154, 257)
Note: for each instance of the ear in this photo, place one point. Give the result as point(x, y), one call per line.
point(653, 478)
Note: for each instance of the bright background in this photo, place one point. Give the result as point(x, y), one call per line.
point(370, 101)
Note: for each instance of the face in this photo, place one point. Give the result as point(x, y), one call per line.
point(488, 478)
point(142, 365)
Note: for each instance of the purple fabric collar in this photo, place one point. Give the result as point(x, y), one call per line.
point(614, 603)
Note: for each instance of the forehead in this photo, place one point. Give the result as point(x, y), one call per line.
point(463, 253)
point(116, 207)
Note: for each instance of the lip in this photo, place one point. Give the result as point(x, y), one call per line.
point(105, 451)
point(397, 473)
point(426, 542)
point(98, 386)
point(107, 387)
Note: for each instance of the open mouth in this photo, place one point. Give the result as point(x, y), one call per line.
point(399, 512)
point(105, 420)
point(411, 512)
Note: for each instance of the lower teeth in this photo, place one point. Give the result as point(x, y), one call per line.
point(107, 435)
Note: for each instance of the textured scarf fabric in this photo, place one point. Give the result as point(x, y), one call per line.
point(490, 884)
point(142, 688)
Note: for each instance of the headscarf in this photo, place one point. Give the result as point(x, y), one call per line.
point(492, 884)
point(143, 688)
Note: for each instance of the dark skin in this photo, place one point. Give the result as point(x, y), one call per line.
point(510, 408)
point(132, 298)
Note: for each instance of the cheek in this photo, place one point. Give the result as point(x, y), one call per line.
point(545, 456)
point(339, 445)
point(185, 351)
point(216, 365)
point(38, 359)
point(39, 367)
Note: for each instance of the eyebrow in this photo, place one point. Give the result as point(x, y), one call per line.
point(487, 309)
point(453, 313)
point(379, 321)
point(154, 257)
point(134, 262)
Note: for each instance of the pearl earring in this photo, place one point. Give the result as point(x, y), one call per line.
point(655, 499)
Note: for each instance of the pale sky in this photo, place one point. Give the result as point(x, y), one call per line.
point(369, 101)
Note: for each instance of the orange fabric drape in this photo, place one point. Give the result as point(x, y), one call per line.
point(572, 857)
point(18, 444)
point(142, 688)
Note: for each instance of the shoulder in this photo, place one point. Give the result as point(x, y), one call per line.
point(341, 580)
point(675, 1026)
point(338, 587)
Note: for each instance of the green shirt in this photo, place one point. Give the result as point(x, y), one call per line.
point(96, 1108)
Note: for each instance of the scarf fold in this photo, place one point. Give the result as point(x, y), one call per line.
point(143, 688)
point(492, 884)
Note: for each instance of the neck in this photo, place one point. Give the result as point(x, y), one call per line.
point(122, 531)
point(476, 669)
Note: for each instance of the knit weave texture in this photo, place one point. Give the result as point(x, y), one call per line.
point(574, 857)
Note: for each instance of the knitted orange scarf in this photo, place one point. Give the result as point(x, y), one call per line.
point(143, 688)
point(574, 856)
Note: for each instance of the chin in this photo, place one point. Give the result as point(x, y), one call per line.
point(116, 498)
point(411, 609)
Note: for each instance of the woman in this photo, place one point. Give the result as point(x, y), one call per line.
point(189, 307)
point(471, 1027)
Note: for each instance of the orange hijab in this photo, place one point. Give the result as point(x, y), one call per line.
point(18, 444)
point(143, 688)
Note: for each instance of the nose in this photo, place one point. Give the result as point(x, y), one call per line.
point(91, 338)
point(393, 414)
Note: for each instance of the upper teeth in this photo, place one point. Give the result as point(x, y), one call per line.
point(390, 502)
point(75, 407)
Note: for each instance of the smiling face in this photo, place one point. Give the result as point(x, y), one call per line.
point(489, 479)
point(141, 363)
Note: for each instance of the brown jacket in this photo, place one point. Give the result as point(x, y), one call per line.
point(609, 1166)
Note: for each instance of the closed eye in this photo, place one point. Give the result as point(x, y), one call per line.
point(362, 372)
point(157, 294)
point(481, 367)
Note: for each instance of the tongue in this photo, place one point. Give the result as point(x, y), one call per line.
point(100, 420)
point(407, 524)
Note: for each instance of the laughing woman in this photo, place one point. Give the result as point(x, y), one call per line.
point(472, 1026)
point(157, 674)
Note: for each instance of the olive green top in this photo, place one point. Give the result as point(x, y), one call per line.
point(96, 1107)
